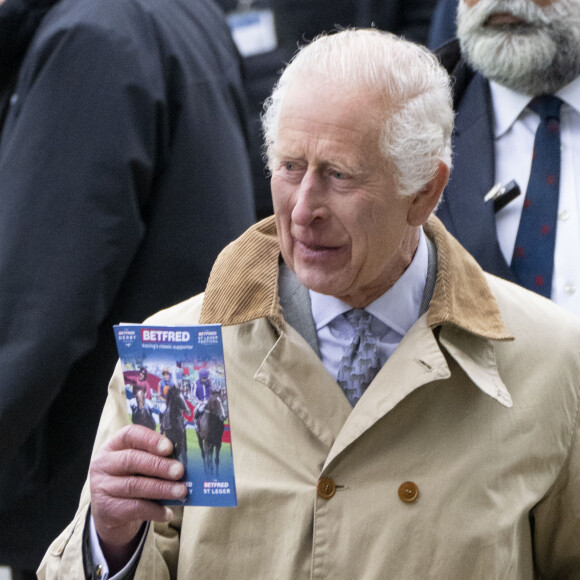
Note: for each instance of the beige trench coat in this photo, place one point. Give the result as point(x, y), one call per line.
point(461, 461)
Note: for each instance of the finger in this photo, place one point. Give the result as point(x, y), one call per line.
point(139, 437)
point(137, 487)
point(121, 511)
point(134, 461)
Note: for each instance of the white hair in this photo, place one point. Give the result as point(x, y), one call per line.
point(418, 123)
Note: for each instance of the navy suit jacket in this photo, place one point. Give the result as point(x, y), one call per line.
point(462, 209)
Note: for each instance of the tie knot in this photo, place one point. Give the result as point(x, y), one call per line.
point(547, 106)
point(359, 319)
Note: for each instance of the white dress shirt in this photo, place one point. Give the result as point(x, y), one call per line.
point(514, 129)
point(395, 312)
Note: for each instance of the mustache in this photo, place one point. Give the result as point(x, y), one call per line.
point(525, 10)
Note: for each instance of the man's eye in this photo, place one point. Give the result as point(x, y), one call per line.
point(289, 166)
point(339, 175)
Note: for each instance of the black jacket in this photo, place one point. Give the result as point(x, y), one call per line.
point(123, 172)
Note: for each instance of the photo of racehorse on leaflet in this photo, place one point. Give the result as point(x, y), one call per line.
point(175, 384)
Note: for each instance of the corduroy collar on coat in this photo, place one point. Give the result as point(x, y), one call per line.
point(243, 284)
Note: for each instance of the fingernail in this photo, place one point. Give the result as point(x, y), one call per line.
point(177, 490)
point(164, 446)
point(175, 470)
point(168, 514)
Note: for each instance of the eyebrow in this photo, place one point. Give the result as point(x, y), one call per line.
point(345, 166)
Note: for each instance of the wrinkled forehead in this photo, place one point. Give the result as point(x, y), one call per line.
point(334, 97)
point(314, 116)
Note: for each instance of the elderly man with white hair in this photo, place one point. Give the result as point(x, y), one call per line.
point(517, 94)
point(396, 413)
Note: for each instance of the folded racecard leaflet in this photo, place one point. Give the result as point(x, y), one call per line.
point(175, 383)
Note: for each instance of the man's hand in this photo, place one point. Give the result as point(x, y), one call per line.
point(130, 471)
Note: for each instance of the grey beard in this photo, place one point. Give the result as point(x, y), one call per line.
point(535, 59)
point(522, 62)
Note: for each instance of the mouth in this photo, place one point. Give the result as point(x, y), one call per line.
point(504, 19)
point(311, 249)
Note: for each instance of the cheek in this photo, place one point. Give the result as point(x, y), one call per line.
point(284, 238)
point(280, 194)
point(283, 214)
point(275, 192)
point(361, 249)
point(383, 234)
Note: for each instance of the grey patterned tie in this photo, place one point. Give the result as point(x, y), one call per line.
point(360, 362)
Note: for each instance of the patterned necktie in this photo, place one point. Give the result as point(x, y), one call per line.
point(360, 362)
point(533, 258)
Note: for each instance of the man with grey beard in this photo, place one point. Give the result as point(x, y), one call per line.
point(507, 53)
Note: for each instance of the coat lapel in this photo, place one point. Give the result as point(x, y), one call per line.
point(293, 371)
point(417, 361)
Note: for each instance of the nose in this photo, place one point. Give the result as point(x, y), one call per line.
point(310, 201)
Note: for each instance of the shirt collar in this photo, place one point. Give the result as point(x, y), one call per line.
point(398, 307)
point(507, 107)
point(570, 94)
point(509, 104)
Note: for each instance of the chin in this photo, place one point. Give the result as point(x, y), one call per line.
point(317, 281)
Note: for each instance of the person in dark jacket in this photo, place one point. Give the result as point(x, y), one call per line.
point(123, 154)
point(285, 24)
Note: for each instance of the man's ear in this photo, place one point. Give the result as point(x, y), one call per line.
point(425, 201)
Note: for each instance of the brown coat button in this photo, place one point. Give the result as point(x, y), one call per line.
point(326, 487)
point(408, 492)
